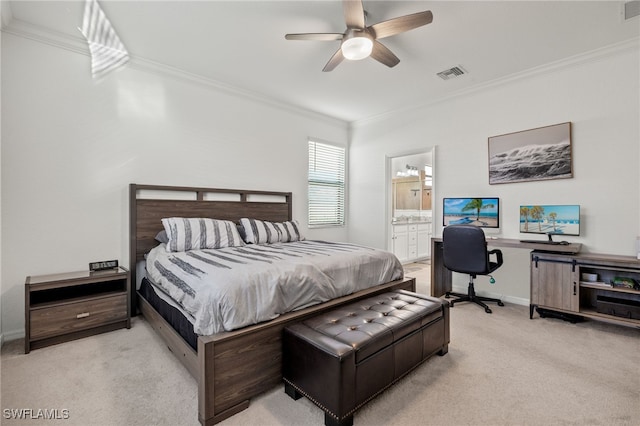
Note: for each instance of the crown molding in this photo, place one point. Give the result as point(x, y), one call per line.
point(6, 13)
point(78, 45)
point(572, 61)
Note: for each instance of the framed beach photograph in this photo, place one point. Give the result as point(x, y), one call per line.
point(537, 154)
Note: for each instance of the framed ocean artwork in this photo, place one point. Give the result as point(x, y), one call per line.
point(543, 153)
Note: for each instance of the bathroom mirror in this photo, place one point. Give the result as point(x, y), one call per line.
point(411, 187)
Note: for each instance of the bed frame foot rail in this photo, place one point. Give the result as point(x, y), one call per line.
point(224, 415)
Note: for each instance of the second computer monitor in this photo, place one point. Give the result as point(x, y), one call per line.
point(559, 219)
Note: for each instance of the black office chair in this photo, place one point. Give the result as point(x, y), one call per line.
point(465, 250)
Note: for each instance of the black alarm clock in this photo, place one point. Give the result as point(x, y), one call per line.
point(103, 265)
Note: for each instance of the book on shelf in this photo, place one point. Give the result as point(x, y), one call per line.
point(596, 283)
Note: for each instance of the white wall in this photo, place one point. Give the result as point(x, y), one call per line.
point(598, 93)
point(2, 17)
point(71, 146)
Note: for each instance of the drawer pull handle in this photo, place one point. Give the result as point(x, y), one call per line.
point(83, 315)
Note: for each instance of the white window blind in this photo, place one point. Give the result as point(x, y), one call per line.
point(326, 184)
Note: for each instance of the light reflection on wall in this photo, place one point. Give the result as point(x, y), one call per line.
point(141, 98)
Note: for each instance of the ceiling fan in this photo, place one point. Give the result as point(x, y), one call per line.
point(360, 41)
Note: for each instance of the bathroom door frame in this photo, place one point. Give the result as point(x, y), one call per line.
point(389, 189)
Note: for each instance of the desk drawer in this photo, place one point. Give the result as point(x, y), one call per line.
point(67, 318)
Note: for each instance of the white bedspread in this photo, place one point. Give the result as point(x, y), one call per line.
point(225, 289)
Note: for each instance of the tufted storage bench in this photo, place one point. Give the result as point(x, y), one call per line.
point(343, 358)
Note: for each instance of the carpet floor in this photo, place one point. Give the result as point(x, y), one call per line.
point(501, 369)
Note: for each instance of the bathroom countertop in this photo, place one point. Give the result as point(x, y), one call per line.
point(409, 221)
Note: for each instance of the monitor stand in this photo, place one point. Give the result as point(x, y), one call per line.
point(549, 241)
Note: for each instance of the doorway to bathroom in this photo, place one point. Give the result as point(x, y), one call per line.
point(411, 202)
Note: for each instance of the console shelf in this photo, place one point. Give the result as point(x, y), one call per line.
point(608, 287)
point(557, 285)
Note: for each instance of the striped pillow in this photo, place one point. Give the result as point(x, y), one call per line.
point(200, 233)
point(263, 232)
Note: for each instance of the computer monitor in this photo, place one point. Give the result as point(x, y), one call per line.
point(558, 219)
point(479, 211)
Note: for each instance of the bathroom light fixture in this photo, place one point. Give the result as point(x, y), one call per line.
point(410, 171)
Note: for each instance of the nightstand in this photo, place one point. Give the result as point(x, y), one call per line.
point(68, 306)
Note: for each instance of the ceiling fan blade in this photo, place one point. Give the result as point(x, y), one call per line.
point(353, 13)
point(382, 54)
point(334, 61)
point(315, 36)
point(401, 24)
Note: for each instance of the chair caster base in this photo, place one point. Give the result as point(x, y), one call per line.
point(471, 297)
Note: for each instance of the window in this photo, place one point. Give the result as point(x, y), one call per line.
point(326, 184)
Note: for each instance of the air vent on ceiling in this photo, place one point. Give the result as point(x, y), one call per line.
point(452, 73)
point(631, 9)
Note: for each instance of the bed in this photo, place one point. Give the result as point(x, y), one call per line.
point(230, 367)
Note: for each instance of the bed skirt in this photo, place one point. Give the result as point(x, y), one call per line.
point(172, 315)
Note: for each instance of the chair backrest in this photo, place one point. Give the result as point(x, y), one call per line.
point(465, 249)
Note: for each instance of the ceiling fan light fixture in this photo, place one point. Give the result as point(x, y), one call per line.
point(357, 47)
point(360, 40)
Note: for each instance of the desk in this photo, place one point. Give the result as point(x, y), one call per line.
point(441, 276)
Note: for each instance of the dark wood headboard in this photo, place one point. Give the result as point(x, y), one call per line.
point(148, 204)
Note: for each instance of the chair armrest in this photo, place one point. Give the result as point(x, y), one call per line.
point(498, 254)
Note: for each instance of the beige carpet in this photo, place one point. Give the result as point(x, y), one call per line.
point(501, 369)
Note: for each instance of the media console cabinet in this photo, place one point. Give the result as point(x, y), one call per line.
point(67, 306)
point(580, 285)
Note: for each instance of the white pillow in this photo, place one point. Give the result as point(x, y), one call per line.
point(200, 233)
point(263, 232)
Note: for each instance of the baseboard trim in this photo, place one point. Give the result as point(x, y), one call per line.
point(10, 336)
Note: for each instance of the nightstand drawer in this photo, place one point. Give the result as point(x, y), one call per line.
point(70, 317)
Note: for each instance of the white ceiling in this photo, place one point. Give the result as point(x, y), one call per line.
point(241, 44)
